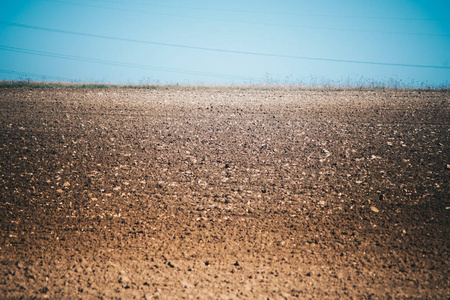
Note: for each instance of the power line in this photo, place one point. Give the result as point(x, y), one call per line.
point(256, 23)
point(253, 11)
point(121, 64)
point(35, 75)
point(220, 50)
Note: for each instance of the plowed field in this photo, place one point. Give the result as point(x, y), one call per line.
point(224, 193)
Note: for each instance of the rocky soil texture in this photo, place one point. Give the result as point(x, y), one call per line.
point(224, 193)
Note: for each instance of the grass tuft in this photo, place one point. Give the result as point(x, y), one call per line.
point(300, 87)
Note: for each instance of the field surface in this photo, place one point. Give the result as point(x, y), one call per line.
point(224, 194)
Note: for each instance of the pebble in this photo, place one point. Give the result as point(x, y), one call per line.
point(124, 279)
point(148, 296)
point(20, 265)
point(374, 209)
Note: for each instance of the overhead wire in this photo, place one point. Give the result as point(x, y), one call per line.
point(250, 53)
point(36, 75)
point(254, 23)
point(122, 64)
point(253, 11)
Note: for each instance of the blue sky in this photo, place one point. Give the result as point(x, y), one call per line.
point(226, 42)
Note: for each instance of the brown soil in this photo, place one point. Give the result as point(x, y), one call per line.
point(224, 194)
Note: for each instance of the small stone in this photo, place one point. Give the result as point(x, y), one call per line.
point(20, 265)
point(29, 274)
point(66, 184)
point(185, 284)
point(59, 191)
point(148, 296)
point(374, 209)
point(124, 279)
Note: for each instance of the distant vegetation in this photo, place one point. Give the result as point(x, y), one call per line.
point(360, 87)
point(40, 84)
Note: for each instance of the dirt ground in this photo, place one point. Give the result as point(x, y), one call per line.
point(224, 193)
